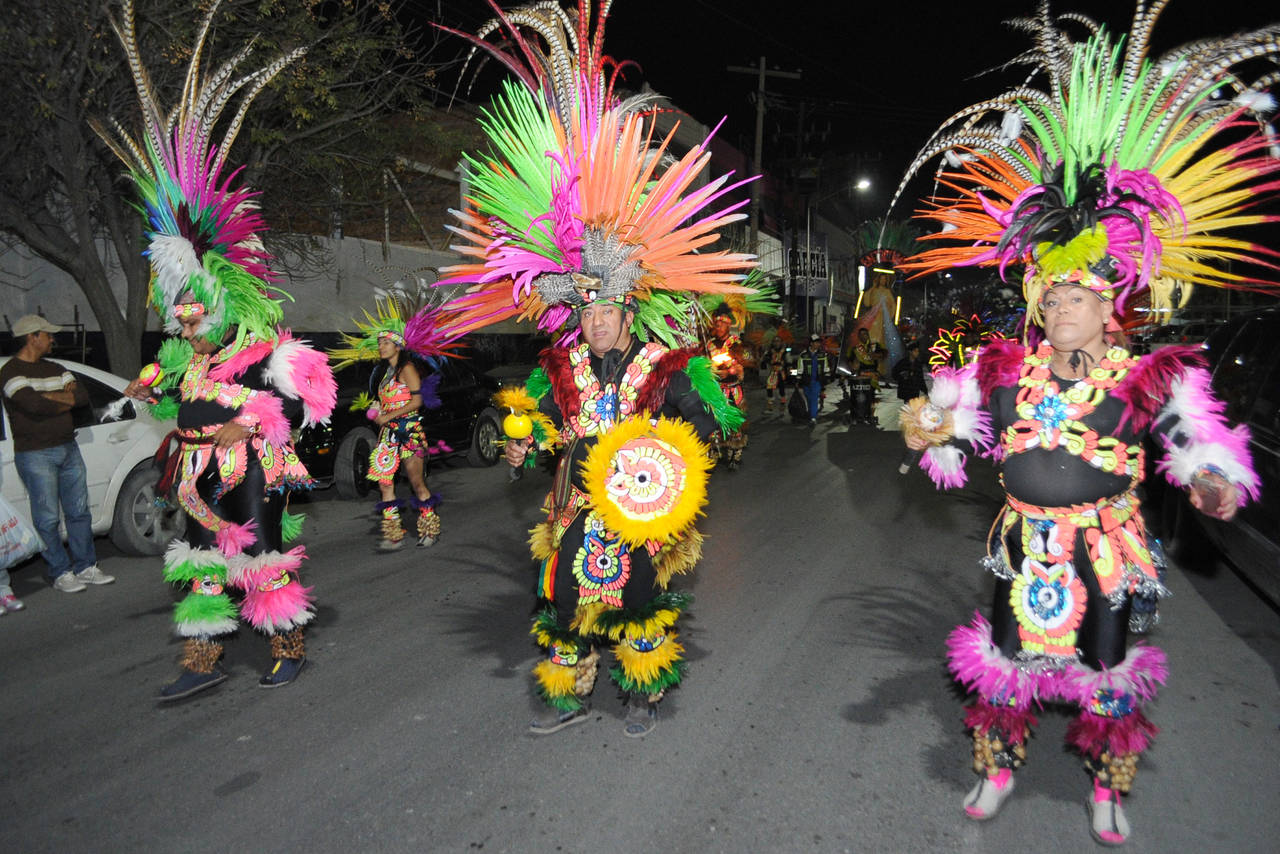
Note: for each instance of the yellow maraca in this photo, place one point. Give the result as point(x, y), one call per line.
point(517, 425)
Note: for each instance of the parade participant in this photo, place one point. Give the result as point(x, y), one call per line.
point(234, 379)
point(725, 351)
point(404, 389)
point(775, 373)
point(866, 356)
point(1101, 219)
point(608, 254)
point(814, 369)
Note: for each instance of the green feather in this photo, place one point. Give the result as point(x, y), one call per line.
point(198, 608)
point(704, 382)
point(174, 356)
point(538, 384)
point(165, 409)
point(618, 618)
point(362, 402)
point(665, 679)
point(291, 525)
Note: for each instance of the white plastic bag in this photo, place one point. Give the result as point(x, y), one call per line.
point(18, 540)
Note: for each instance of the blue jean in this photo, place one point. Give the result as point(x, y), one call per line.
point(56, 476)
point(813, 391)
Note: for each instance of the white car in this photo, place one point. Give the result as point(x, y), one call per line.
point(118, 458)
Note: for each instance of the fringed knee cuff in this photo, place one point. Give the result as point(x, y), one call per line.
point(980, 666)
point(648, 664)
point(274, 599)
point(206, 611)
point(556, 684)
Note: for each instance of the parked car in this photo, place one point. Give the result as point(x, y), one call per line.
point(1245, 360)
point(118, 459)
point(338, 454)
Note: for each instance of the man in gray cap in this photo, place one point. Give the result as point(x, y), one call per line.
point(39, 396)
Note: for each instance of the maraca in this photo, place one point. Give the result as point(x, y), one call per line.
point(517, 425)
point(150, 376)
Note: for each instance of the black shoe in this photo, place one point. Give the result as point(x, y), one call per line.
point(190, 683)
point(553, 720)
point(642, 717)
point(282, 672)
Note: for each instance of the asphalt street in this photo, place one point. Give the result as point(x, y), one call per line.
point(816, 714)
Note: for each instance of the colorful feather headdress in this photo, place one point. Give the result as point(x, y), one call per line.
point(762, 300)
point(418, 329)
point(1121, 175)
point(577, 199)
point(207, 259)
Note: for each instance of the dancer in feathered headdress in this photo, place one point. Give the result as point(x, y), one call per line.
point(412, 351)
point(581, 219)
point(729, 356)
point(233, 377)
point(1112, 186)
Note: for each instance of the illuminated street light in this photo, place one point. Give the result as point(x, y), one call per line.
point(863, 184)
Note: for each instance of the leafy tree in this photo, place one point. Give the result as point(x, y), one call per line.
point(323, 124)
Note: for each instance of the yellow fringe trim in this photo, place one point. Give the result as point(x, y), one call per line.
point(598, 468)
point(584, 619)
point(644, 667)
point(542, 540)
point(655, 625)
point(515, 397)
point(556, 680)
point(678, 557)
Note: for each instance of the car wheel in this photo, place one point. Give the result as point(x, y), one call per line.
point(485, 450)
point(351, 463)
point(142, 523)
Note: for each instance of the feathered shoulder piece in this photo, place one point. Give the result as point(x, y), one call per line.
point(1145, 389)
point(1112, 169)
point(202, 232)
point(578, 199)
point(999, 364)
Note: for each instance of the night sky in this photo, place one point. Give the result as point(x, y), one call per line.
point(878, 78)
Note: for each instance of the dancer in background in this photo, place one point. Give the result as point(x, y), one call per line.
point(404, 388)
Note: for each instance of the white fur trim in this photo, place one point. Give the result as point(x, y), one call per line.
point(179, 551)
point(279, 368)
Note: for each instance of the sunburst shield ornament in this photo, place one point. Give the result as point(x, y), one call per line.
point(648, 480)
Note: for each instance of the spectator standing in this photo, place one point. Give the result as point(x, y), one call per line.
point(39, 396)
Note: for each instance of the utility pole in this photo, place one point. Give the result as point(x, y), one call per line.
point(757, 156)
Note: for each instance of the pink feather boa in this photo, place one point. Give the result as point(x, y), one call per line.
point(267, 412)
point(231, 369)
point(1145, 389)
point(301, 372)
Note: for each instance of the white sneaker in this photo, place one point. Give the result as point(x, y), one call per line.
point(93, 575)
point(1107, 821)
point(67, 583)
point(986, 797)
